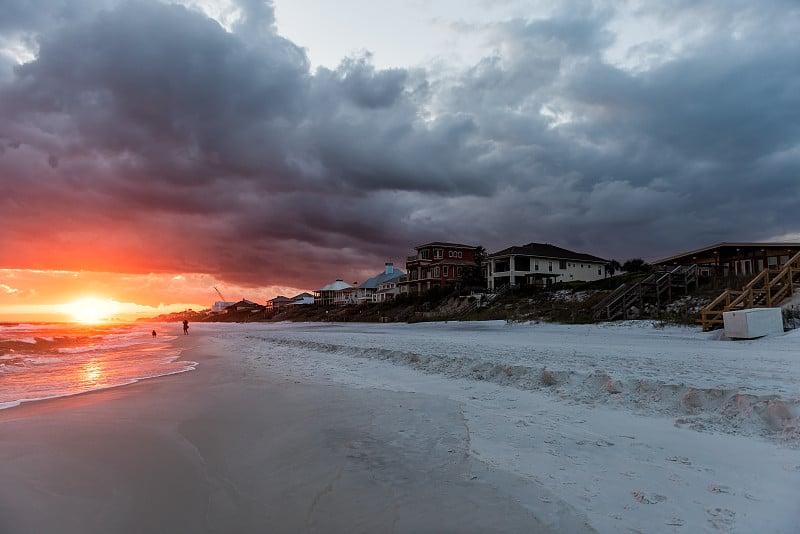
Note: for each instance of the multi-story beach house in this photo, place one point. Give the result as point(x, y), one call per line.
point(438, 264)
point(335, 293)
point(369, 291)
point(281, 303)
point(541, 264)
point(391, 289)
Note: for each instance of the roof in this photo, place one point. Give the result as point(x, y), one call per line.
point(281, 298)
point(245, 302)
point(700, 251)
point(373, 282)
point(444, 244)
point(338, 285)
point(304, 295)
point(546, 250)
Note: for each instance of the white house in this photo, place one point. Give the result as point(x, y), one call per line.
point(302, 299)
point(337, 292)
point(541, 264)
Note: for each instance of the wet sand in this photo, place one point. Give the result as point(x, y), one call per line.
point(225, 449)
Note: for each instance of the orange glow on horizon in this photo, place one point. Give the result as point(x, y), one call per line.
point(91, 310)
point(37, 295)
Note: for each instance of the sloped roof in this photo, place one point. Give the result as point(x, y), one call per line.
point(303, 295)
point(243, 303)
point(281, 298)
point(338, 285)
point(546, 250)
point(445, 244)
point(767, 245)
point(373, 282)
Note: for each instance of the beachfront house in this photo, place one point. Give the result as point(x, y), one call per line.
point(390, 289)
point(369, 291)
point(438, 264)
point(335, 293)
point(245, 305)
point(220, 306)
point(541, 264)
point(725, 260)
point(279, 303)
point(302, 299)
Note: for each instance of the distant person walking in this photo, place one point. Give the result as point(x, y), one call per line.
point(154, 333)
point(185, 327)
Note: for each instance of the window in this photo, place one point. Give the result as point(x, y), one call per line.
point(446, 270)
point(458, 272)
point(438, 254)
point(599, 272)
point(425, 254)
point(436, 272)
point(562, 264)
point(550, 266)
point(522, 263)
point(455, 254)
point(535, 265)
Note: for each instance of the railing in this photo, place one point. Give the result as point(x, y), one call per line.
point(611, 304)
point(766, 290)
point(652, 288)
point(410, 259)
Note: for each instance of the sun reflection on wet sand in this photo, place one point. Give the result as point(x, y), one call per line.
point(46, 361)
point(93, 373)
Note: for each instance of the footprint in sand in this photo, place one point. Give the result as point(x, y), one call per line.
point(721, 518)
point(715, 488)
point(648, 498)
point(599, 443)
point(679, 459)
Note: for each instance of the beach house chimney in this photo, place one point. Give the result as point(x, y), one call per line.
point(389, 268)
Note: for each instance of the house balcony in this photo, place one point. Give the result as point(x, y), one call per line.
point(417, 259)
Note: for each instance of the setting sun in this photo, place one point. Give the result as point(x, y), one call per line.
point(91, 310)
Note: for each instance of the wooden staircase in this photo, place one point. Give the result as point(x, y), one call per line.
point(766, 290)
point(660, 288)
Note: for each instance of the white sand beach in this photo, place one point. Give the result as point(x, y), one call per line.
point(440, 427)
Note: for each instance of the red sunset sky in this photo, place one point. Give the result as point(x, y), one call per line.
point(152, 150)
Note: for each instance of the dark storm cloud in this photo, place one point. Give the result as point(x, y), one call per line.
point(177, 145)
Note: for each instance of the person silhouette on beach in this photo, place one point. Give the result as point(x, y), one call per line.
point(154, 333)
point(185, 327)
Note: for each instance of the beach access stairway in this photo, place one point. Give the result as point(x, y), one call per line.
point(479, 302)
point(659, 288)
point(485, 301)
point(768, 289)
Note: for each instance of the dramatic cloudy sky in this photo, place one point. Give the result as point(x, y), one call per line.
point(279, 145)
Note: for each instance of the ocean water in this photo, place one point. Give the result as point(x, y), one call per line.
point(42, 361)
